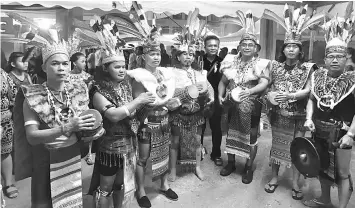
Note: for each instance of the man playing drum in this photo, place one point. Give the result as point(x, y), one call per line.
point(246, 78)
point(330, 111)
point(187, 120)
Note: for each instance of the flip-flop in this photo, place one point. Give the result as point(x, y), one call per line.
point(315, 203)
point(295, 193)
point(11, 194)
point(272, 188)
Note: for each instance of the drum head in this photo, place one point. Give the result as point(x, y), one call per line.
point(193, 91)
point(235, 94)
point(271, 97)
point(305, 157)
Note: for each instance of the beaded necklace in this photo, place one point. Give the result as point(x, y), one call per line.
point(161, 89)
point(328, 79)
point(191, 77)
point(58, 116)
point(243, 69)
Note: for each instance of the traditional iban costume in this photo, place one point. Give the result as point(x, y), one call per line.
point(190, 116)
point(245, 115)
point(335, 99)
point(117, 148)
point(55, 167)
point(288, 117)
point(154, 118)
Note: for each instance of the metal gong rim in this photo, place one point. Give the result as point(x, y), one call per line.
point(305, 157)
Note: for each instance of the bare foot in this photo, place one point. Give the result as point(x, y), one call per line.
point(172, 175)
point(199, 174)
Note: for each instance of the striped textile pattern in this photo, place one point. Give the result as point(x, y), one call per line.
point(283, 130)
point(65, 177)
point(238, 135)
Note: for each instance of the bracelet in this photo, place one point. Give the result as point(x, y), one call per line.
point(126, 110)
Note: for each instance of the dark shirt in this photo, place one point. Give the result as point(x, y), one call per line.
point(213, 77)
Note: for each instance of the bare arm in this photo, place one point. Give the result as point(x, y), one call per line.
point(222, 86)
point(310, 108)
point(34, 135)
point(260, 87)
point(114, 114)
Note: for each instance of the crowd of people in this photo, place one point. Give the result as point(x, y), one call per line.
point(129, 105)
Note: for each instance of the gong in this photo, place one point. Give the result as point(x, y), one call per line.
point(309, 155)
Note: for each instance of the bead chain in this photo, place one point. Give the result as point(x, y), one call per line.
point(58, 115)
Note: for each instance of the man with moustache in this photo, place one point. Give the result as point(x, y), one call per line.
point(212, 64)
point(247, 77)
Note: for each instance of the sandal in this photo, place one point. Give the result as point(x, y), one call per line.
point(316, 203)
point(272, 188)
point(295, 194)
point(11, 194)
point(89, 159)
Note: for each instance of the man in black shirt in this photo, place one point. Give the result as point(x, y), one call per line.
point(212, 63)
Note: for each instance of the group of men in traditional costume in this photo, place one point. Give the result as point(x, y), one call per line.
point(159, 113)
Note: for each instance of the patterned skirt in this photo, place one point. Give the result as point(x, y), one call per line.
point(238, 135)
point(188, 125)
point(283, 132)
point(65, 177)
point(156, 132)
point(7, 132)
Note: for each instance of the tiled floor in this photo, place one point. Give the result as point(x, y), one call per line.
point(216, 191)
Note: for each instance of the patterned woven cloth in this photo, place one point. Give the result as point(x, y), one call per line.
point(283, 126)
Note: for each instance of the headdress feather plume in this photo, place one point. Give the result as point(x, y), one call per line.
point(339, 31)
point(294, 21)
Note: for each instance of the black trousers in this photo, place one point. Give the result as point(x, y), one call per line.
point(215, 125)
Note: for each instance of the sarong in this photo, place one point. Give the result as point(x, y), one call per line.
point(329, 133)
point(65, 177)
point(159, 153)
point(238, 135)
point(283, 132)
point(157, 133)
point(188, 125)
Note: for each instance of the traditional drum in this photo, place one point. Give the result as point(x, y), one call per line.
point(98, 125)
point(235, 94)
point(187, 94)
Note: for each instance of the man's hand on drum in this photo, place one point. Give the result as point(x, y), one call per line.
point(96, 136)
point(346, 141)
point(282, 97)
point(309, 125)
point(244, 94)
point(201, 88)
point(81, 123)
point(146, 98)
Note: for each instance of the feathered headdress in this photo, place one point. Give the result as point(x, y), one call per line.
point(248, 24)
point(339, 31)
point(104, 35)
point(191, 37)
point(47, 39)
point(294, 21)
point(150, 35)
